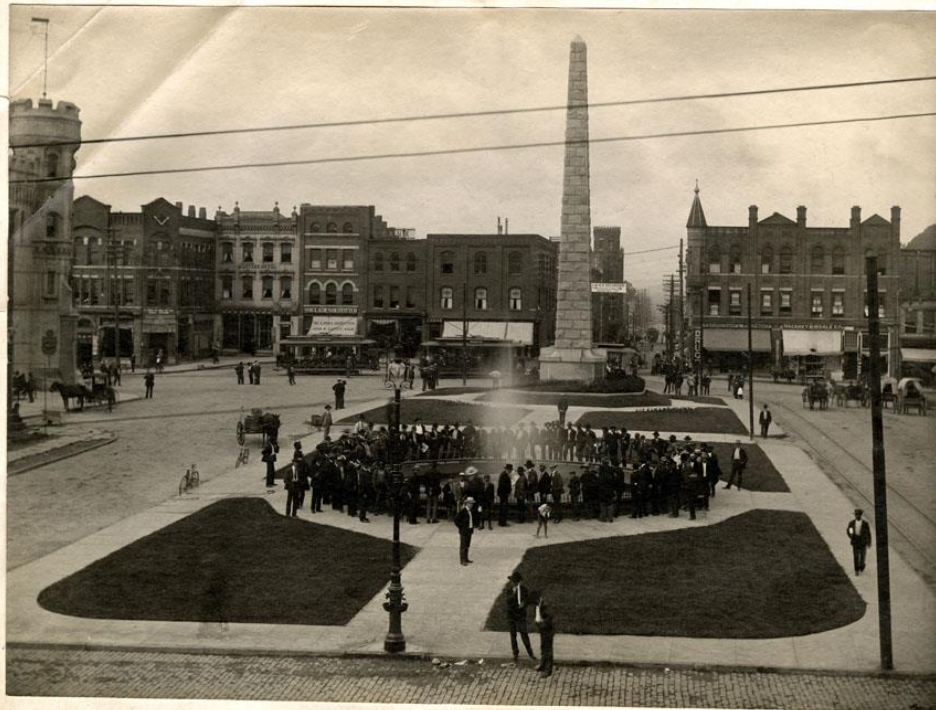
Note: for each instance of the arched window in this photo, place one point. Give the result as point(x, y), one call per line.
point(411, 262)
point(714, 260)
point(838, 260)
point(817, 260)
point(734, 259)
point(315, 228)
point(378, 261)
point(480, 263)
point(394, 261)
point(481, 302)
point(332, 228)
point(516, 299)
point(514, 262)
point(331, 294)
point(766, 259)
point(447, 298)
point(786, 259)
point(315, 294)
point(347, 295)
point(52, 163)
point(447, 262)
point(347, 228)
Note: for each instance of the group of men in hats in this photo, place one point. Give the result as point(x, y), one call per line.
point(519, 598)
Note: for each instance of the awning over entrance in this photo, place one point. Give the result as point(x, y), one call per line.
point(324, 340)
point(735, 340)
point(333, 325)
point(517, 332)
point(812, 342)
point(918, 354)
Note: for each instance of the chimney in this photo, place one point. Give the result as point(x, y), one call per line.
point(202, 213)
point(752, 216)
point(855, 217)
point(178, 206)
point(895, 220)
point(500, 229)
point(191, 210)
point(801, 216)
point(506, 226)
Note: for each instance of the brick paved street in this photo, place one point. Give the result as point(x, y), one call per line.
point(121, 674)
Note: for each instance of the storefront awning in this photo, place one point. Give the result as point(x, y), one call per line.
point(324, 341)
point(508, 331)
point(333, 325)
point(735, 340)
point(918, 354)
point(812, 342)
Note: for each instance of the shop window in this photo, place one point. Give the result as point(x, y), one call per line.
point(315, 259)
point(227, 288)
point(331, 294)
point(766, 303)
point(347, 295)
point(514, 263)
point(734, 259)
point(838, 304)
point(448, 262)
point(378, 296)
point(227, 253)
point(267, 253)
point(347, 259)
point(394, 296)
point(480, 300)
point(447, 298)
point(766, 260)
point(378, 261)
point(394, 261)
point(410, 297)
point(286, 253)
point(734, 302)
point(817, 260)
point(247, 290)
point(247, 251)
point(516, 299)
point(815, 308)
point(267, 291)
point(411, 262)
point(838, 261)
point(315, 294)
point(786, 259)
point(331, 259)
point(786, 303)
point(480, 263)
point(714, 302)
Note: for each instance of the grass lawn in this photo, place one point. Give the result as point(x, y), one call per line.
point(715, 420)
point(763, 574)
point(443, 412)
point(759, 475)
point(236, 560)
point(701, 399)
point(642, 399)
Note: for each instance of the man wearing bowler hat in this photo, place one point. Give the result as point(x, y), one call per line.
point(465, 522)
point(518, 599)
point(859, 533)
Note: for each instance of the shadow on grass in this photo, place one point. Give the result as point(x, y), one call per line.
point(238, 561)
point(432, 411)
point(577, 399)
point(760, 475)
point(712, 420)
point(762, 574)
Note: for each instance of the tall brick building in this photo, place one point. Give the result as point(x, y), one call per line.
point(808, 290)
point(608, 309)
point(918, 305)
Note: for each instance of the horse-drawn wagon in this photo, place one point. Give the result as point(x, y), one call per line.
point(910, 396)
point(258, 422)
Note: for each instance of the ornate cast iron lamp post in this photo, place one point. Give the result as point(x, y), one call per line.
point(395, 642)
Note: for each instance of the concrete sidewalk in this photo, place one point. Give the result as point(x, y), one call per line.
point(449, 603)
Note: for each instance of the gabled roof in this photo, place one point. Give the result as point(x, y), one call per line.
point(88, 199)
point(696, 214)
point(160, 201)
point(876, 220)
point(778, 219)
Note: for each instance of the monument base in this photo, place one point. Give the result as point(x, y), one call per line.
point(572, 364)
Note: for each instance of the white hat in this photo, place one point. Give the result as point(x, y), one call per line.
point(469, 499)
point(471, 471)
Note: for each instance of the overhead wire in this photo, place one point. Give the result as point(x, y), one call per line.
point(490, 112)
point(478, 149)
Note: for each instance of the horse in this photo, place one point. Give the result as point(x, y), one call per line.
point(67, 392)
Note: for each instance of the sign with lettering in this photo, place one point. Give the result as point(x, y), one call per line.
point(333, 310)
point(608, 288)
point(253, 266)
point(697, 344)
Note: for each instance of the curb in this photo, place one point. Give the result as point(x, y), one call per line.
point(416, 656)
point(13, 470)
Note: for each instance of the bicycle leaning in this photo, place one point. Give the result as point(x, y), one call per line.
point(189, 481)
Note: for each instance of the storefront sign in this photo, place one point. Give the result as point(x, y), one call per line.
point(332, 310)
point(697, 344)
point(342, 326)
point(258, 267)
point(608, 288)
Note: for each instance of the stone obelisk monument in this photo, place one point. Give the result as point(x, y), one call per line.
point(572, 357)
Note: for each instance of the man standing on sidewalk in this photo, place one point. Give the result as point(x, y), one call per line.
point(149, 379)
point(518, 599)
point(738, 463)
point(327, 421)
point(239, 371)
point(859, 533)
point(465, 520)
point(765, 419)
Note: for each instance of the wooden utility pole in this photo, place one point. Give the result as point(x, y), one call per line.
point(750, 354)
point(682, 314)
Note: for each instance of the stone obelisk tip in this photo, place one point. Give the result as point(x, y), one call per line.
point(578, 40)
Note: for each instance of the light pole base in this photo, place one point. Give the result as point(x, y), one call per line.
point(394, 643)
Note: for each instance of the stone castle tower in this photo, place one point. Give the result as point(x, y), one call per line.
point(43, 141)
point(572, 357)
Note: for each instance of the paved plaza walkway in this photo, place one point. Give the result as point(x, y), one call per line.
point(449, 603)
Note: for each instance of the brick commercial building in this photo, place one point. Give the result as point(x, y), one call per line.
point(608, 308)
point(396, 302)
point(808, 294)
point(918, 306)
point(153, 270)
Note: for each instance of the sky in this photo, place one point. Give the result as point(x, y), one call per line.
point(144, 70)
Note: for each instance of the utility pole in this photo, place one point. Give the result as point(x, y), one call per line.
point(682, 314)
point(669, 284)
point(465, 327)
point(879, 469)
point(112, 251)
point(750, 353)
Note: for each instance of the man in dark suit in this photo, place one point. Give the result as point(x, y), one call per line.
point(518, 599)
point(765, 419)
point(738, 463)
point(859, 534)
point(544, 620)
point(464, 521)
point(296, 485)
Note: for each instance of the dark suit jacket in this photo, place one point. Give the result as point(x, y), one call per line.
point(461, 520)
point(864, 538)
point(517, 609)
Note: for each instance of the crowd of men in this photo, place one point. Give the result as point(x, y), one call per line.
point(599, 477)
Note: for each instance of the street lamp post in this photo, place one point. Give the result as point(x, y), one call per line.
point(395, 642)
